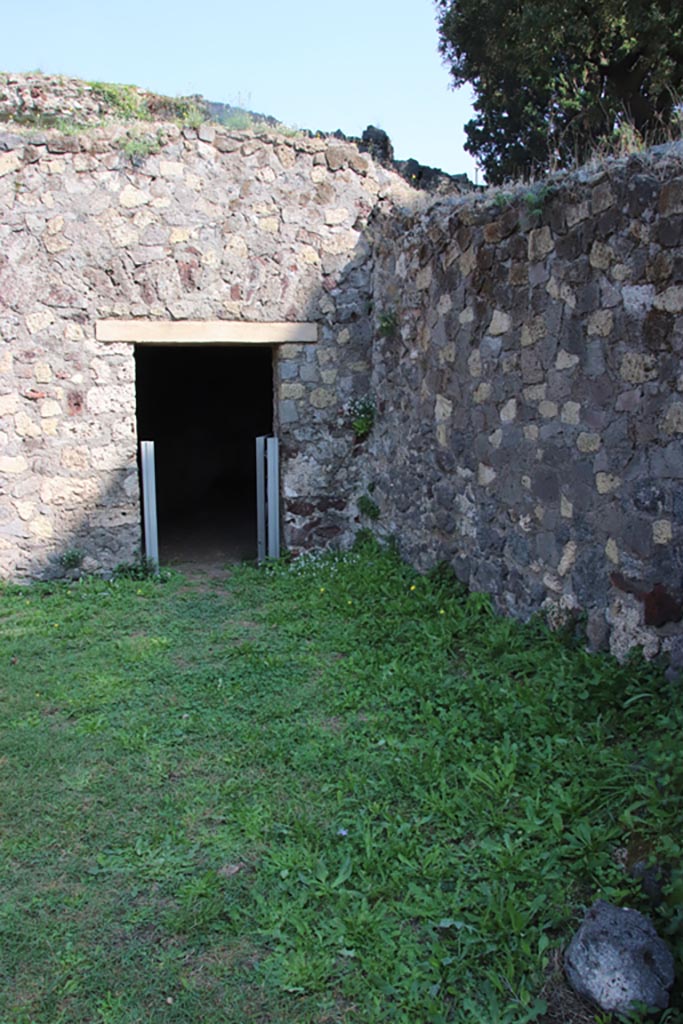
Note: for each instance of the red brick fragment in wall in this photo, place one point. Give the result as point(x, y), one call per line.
point(659, 606)
point(75, 403)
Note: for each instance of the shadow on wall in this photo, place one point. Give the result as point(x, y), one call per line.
point(104, 536)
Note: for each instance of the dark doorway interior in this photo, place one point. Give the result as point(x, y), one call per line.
point(203, 407)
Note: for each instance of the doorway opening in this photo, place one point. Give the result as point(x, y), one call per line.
point(204, 406)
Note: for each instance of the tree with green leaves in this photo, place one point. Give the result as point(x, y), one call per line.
point(554, 78)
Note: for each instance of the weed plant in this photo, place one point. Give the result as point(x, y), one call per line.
point(126, 101)
point(368, 507)
point(238, 120)
point(388, 323)
point(362, 415)
point(330, 790)
point(138, 147)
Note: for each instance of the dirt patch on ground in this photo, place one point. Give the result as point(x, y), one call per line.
point(564, 1005)
point(204, 572)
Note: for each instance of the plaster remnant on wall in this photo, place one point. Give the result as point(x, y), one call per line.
point(533, 330)
point(443, 409)
point(673, 419)
point(612, 551)
point(566, 360)
point(485, 474)
point(508, 413)
point(606, 483)
point(571, 413)
point(568, 559)
point(638, 367)
point(474, 363)
point(670, 300)
point(588, 442)
point(600, 323)
point(500, 323)
point(662, 531)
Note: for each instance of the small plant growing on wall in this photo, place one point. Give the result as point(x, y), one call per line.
point(138, 147)
point(537, 198)
point(71, 558)
point(502, 200)
point(362, 415)
point(388, 322)
point(368, 507)
point(193, 117)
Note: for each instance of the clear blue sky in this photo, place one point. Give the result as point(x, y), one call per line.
point(310, 63)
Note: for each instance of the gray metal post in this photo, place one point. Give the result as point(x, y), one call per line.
point(260, 498)
point(149, 501)
point(273, 485)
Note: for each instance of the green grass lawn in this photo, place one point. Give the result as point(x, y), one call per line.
point(331, 791)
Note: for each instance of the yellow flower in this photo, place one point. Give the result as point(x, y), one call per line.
point(413, 587)
point(322, 590)
point(441, 611)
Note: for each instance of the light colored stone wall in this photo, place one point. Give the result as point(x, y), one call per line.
point(156, 221)
point(531, 395)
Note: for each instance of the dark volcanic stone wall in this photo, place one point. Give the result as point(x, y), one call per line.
point(528, 370)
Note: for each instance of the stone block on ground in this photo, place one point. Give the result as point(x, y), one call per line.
point(617, 960)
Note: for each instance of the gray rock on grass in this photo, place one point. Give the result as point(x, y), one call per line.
point(616, 959)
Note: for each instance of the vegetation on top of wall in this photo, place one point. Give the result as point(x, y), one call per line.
point(57, 101)
point(127, 101)
point(133, 104)
point(238, 120)
point(537, 197)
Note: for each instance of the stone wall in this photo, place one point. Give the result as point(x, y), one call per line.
point(163, 222)
point(523, 350)
point(528, 369)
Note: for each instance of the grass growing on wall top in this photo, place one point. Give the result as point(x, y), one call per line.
point(330, 791)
